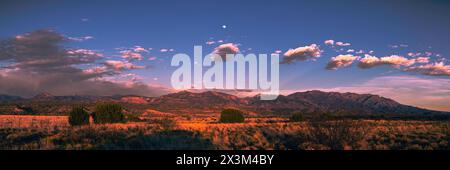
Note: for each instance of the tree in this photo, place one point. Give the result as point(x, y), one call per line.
point(231, 116)
point(297, 117)
point(78, 116)
point(108, 113)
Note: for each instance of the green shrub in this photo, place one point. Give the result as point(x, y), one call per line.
point(78, 116)
point(108, 113)
point(231, 116)
point(297, 117)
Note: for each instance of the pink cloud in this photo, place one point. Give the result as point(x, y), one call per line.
point(394, 60)
point(121, 65)
point(302, 53)
point(329, 42)
point(341, 61)
point(434, 69)
point(339, 43)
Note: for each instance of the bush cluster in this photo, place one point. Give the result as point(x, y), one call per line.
point(109, 113)
point(231, 116)
point(78, 116)
point(297, 117)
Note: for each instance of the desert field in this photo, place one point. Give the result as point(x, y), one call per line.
point(35, 122)
point(156, 131)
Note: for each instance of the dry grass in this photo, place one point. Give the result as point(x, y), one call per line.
point(183, 132)
point(33, 122)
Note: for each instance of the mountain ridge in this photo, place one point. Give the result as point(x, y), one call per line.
point(308, 102)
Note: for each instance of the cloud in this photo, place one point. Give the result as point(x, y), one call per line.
point(140, 49)
point(434, 69)
point(301, 54)
point(121, 65)
point(83, 52)
point(130, 55)
point(163, 50)
point(277, 52)
point(394, 60)
point(329, 42)
point(422, 59)
point(80, 39)
point(37, 61)
point(398, 46)
point(341, 61)
point(339, 43)
point(359, 52)
point(224, 49)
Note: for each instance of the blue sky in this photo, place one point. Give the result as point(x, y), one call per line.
point(384, 27)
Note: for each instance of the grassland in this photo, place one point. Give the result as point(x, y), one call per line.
point(158, 130)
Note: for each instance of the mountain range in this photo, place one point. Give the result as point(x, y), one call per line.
point(307, 102)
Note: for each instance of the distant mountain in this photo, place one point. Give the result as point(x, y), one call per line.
point(185, 99)
point(307, 102)
point(43, 96)
point(7, 98)
point(213, 101)
point(334, 102)
point(134, 99)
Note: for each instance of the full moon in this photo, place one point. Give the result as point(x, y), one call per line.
point(224, 26)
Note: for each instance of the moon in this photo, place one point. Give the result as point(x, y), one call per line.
point(224, 26)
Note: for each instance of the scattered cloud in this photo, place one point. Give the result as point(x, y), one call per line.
point(370, 61)
point(329, 42)
point(121, 65)
point(341, 61)
point(140, 49)
point(224, 49)
point(301, 54)
point(277, 52)
point(434, 69)
point(422, 59)
point(84, 52)
point(80, 39)
point(339, 43)
point(130, 55)
point(398, 46)
point(37, 61)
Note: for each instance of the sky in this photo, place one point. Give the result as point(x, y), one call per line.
point(397, 49)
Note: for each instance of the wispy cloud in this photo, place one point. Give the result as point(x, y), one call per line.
point(434, 69)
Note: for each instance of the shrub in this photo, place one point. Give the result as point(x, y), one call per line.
point(133, 118)
point(108, 113)
point(297, 117)
point(78, 116)
point(338, 134)
point(231, 116)
point(323, 116)
point(166, 123)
